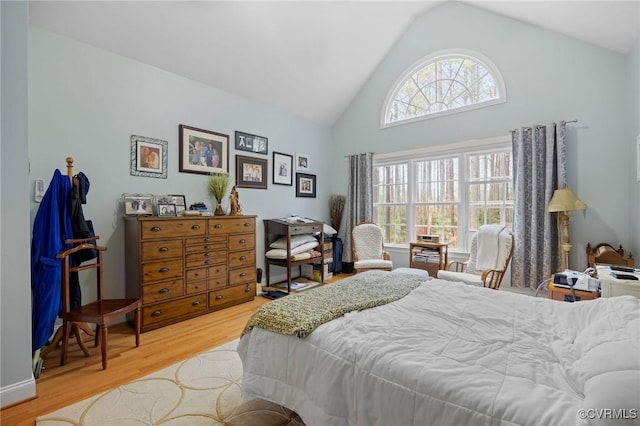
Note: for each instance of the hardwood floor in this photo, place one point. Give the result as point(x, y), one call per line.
point(82, 377)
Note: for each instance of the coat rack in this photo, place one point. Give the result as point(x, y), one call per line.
point(76, 328)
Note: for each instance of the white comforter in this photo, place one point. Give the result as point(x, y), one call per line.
point(453, 354)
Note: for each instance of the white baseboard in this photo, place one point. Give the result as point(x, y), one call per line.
point(17, 392)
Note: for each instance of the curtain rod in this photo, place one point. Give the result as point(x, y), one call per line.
point(567, 122)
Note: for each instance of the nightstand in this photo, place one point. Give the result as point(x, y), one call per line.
point(565, 295)
point(611, 286)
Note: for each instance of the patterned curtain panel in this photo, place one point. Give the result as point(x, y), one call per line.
point(539, 168)
point(359, 204)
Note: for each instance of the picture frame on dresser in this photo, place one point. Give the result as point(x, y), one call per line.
point(202, 151)
point(137, 204)
point(166, 209)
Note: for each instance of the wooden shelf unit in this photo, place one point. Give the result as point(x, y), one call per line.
point(276, 228)
point(431, 248)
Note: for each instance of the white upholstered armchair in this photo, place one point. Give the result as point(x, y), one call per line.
point(368, 248)
point(489, 256)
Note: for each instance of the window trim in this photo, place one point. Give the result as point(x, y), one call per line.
point(427, 60)
point(473, 146)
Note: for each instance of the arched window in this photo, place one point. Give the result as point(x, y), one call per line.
point(444, 83)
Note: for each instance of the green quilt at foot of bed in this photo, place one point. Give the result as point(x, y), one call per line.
point(300, 314)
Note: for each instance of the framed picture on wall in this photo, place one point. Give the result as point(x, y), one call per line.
point(252, 143)
point(251, 172)
point(305, 185)
point(148, 157)
point(303, 162)
point(282, 169)
point(202, 151)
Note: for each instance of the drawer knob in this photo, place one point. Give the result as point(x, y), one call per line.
point(164, 290)
point(155, 228)
point(195, 227)
point(207, 239)
point(247, 289)
point(156, 313)
point(219, 297)
point(207, 247)
point(195, 303)
point(217, 226)
point(247, 224)
point(206, 254)
point(163, 249)
point(165, 269)
point(243, 274)
point(207, 261)
point(242, 241)
point(243, 257)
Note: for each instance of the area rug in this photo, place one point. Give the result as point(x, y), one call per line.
point(203, 390)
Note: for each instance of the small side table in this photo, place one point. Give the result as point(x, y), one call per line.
point(420, 253)
point(565, 295)
point(612, 286)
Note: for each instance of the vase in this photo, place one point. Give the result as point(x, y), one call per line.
point(219, 211)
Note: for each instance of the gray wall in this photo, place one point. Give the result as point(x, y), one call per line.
point(548, 77)
point(86, 103)
point(634, 136)
point(16, 379)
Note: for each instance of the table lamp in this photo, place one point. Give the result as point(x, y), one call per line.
point(564, 200)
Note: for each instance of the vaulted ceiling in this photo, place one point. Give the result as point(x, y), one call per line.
point(306, 57)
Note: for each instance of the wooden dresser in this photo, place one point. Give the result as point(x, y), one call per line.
point(183, 267)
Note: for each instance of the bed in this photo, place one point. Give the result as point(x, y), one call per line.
point(453, 354)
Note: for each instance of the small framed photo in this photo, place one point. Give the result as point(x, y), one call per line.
point(166, 209)
point(251, 172)
point(38, 192)
point(202, 151)
point(148, 157)
point(180, 202)
point(282, 169)
point(305, 185)
point(252, 143)
point(137, 204)
point(302, 162)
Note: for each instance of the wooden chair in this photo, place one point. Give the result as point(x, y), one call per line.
point(99, 312)
point(468, 272)
point(368, 248)
point(604, 253)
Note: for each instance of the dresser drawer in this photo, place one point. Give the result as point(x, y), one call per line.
point(155, 229)
point(205, 243)
point(206, 258)
point(168, 311)
point(231, 295)
point(163, 270)
point(238, 259)
point(242, 241)
point(196, 286)
point(227, 226)
point(239, 276)
point(218, 277)
point(155, 250)
point(305, 229)
point(165, 290)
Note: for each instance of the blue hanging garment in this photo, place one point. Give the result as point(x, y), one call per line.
point(51, 227)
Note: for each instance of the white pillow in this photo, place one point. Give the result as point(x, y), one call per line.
point(282, 253)
point(329, 230)
point(296, 240)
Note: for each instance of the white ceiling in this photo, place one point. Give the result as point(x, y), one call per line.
point(306, 57)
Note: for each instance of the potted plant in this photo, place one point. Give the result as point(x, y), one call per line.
point(218, 185)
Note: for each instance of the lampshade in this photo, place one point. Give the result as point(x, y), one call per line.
point(564, 200)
